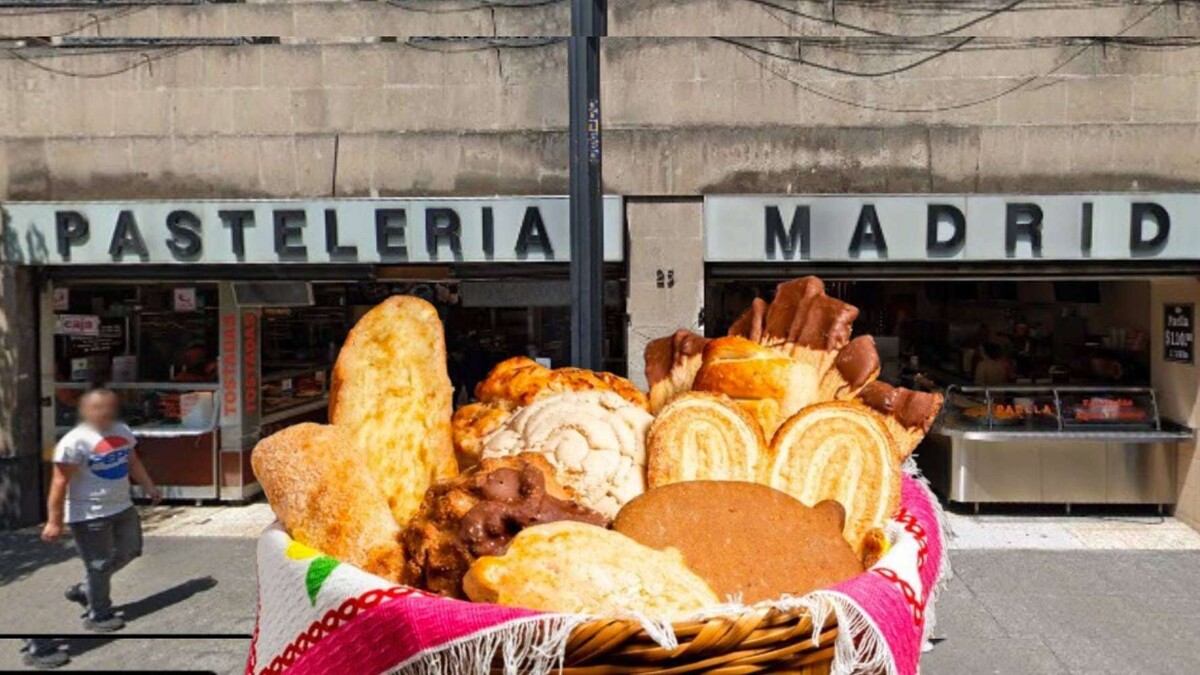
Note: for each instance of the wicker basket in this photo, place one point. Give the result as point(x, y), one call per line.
point(762, 641)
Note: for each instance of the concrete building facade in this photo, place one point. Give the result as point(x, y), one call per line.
point(318, 100)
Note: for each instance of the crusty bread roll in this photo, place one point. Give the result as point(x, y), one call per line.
point(704, 436)
point(768, 384)
point(519, 381)
point(390, 388)
point(578, 568)
point(841, 451)
point(320, 488)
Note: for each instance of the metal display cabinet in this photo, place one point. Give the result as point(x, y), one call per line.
point(1054, 445)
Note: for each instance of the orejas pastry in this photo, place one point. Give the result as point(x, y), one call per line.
point(840, 451)
point(746, 540)
point(596, 441)
point(907, 414)
point(703, 436)
point(671, 366)
point(578, 568)
point(477, 513)
point(316, 478)
point(390, 388)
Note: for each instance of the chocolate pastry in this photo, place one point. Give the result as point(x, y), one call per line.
point(801, 315)
point(671, 365)
point(907, 414)
point(478, 513)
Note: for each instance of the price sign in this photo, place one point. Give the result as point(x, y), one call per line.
point(185, 299)
point(1179, 333)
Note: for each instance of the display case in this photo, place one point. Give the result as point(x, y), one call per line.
point(1053, 408)
point(1054, 444)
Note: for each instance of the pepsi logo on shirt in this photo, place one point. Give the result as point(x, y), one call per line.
point(110, 458)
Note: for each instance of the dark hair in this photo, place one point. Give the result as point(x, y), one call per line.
point(96, 389)
point(991, 350)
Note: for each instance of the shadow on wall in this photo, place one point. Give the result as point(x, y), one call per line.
point(23, 553)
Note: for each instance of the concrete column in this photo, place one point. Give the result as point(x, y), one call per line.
point(666, 272)
point(20, 447)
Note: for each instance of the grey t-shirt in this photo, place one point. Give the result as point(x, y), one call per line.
point(100, 484)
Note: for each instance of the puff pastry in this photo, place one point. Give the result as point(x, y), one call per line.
point(768, 384)
point(907, 414)
point(704, 436)
point(840, 451)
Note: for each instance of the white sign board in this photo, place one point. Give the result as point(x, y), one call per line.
point(388, 231)
point(951, 228)
point(77, 325)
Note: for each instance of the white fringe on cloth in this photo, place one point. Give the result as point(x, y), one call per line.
point(537, 645)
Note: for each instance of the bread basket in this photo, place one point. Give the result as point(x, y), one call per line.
point(760, 641)
point(317, 615)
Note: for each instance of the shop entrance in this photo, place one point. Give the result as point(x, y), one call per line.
point(1064, 389)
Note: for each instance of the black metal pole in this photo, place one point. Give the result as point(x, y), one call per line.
point(588, 20)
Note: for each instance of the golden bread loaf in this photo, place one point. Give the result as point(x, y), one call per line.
point(746, 540)
point(573, 567)
point(317, 481)
point(841, 451)
point(390, 388)
point(596, 441)
point(704, 436)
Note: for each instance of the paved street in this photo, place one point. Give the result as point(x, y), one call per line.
point(1007, 611)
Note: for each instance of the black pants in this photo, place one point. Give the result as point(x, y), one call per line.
point(106, 545)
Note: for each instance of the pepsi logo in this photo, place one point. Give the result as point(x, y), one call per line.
point(110, 458)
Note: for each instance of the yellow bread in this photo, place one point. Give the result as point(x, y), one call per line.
point(840, 451)
point(391, 390)
point(703, 436)
point(584, 569)
point(321, 490)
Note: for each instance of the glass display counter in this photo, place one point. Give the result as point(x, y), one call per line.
point(1054, 444)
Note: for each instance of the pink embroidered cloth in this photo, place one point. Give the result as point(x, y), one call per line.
point(318, 616)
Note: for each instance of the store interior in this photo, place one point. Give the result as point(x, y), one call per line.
point(166, 334)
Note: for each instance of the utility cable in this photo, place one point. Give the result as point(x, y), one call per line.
point(955, 106)
point(146, 60)
point(799, 59)
point(1009, 6)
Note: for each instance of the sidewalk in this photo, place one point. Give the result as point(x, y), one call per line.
point(1031, 595)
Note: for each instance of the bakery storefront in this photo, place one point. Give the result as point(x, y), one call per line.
point(1060, 327)
point(217, 322)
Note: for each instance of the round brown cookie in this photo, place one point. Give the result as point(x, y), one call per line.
point(744, 539)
